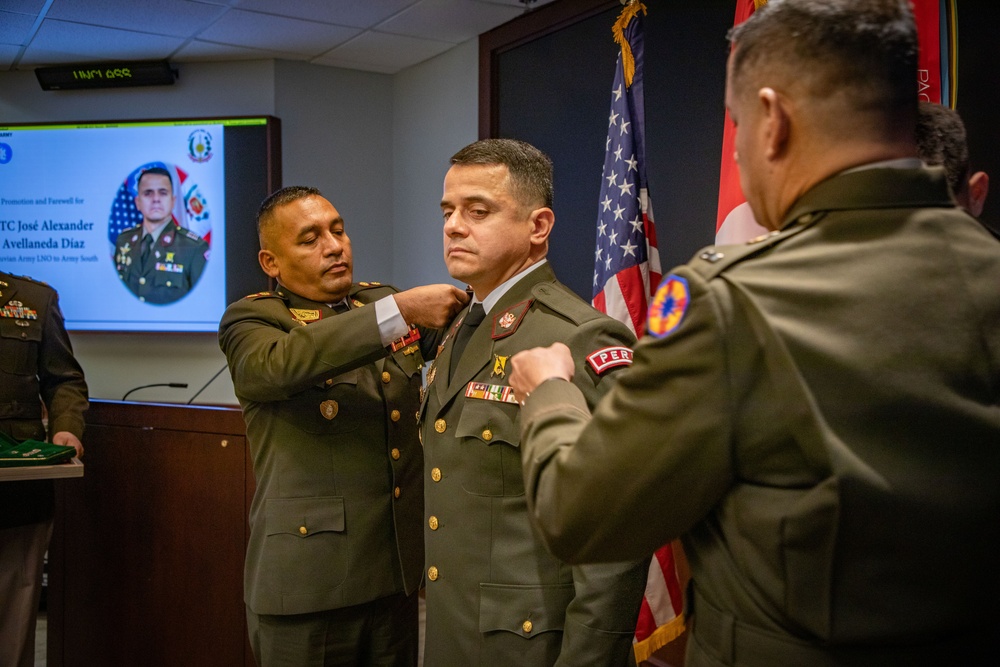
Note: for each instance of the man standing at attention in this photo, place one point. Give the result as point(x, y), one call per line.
point(37, 368)
point(495, 596)
point(817, 413)
point(327, 372)
point(159, 261)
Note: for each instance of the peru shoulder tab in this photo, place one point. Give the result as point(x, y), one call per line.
point(712, 261)
point(558, 298)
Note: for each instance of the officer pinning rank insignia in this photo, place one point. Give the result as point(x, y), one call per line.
point(669, 305)
point(490, 392)
point(609, 357)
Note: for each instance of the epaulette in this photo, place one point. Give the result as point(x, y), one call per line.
point(188, 233)
point(566, 303)
point(357, 288)
point(712, 261)
point(264, 295)
point(29, 279)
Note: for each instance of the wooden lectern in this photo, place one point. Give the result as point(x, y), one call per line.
point(146, 561)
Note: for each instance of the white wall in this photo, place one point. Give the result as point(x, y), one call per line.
point(436, 113)
point(337, 136)
point(376, 145)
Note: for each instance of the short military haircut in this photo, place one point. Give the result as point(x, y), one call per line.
point(158, 171)
point(277, 199)
point(530, 170)
point(941, 141)
point(864, 48)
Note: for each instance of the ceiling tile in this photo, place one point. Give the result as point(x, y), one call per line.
point(198, 50)
point(355, 14)
point(24, 6)
point(179, 18)
point(276, 33)
point(381, 52)
point(452, 21)
point(531, 4)
point(15, 28)
point(63, 42)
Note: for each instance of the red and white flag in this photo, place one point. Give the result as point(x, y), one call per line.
point(936, 31)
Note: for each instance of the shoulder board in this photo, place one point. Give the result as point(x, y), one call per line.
point(184, 231)
point(130, 230)
point(559, 298)
point(714, 260)
point(29, 279)
point(358, 288)
point(264, 295)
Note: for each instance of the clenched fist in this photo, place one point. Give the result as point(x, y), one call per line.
point(431, 306)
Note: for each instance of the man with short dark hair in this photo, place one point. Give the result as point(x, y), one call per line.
point(327, 372)
point(941, 141)
point(815, 413)
point(159, 261)
point(495, 596)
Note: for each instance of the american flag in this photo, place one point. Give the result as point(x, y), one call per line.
point(190, 209)
point(626, 270)
point(626, 262)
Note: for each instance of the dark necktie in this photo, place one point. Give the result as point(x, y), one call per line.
point(147, 243)
point(472, 320)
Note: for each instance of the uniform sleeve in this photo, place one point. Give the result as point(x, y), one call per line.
point(601, 618)
point(268, 363)
point(60, 377)
point(652, 460)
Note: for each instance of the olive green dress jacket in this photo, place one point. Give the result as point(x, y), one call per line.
point(36, 365)
point(175, 263)
point(822, 427)
point(331, 421)
point(494, 595)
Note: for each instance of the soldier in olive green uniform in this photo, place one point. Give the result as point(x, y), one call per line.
point(329, 389)
point(172, 267)
point(36, 366)
point(159, 261)
point(817, 412)
point(494, 595)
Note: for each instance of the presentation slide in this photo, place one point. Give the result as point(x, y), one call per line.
point(71, 215)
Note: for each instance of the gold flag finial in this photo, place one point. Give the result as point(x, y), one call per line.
point(618, 30)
